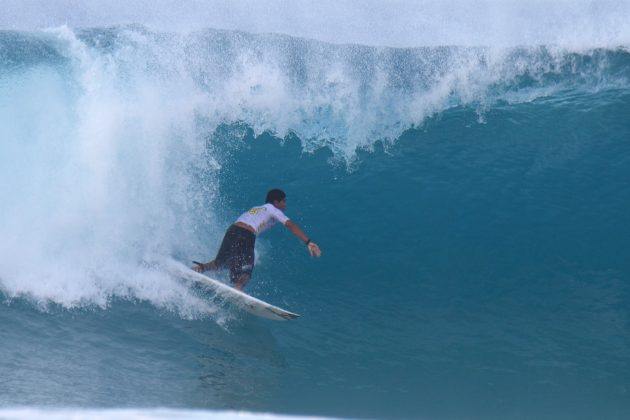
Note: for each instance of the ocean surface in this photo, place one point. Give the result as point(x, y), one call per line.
point(467, 177)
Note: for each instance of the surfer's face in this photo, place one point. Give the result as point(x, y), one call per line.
point(282, 204)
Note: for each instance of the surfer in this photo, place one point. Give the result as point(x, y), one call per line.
point(237, 249)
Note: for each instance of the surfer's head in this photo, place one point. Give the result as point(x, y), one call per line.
point(277, 198)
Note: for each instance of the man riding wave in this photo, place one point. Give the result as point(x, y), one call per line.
point(237, 248)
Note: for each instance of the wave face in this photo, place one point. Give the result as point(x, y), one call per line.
point(470, 202)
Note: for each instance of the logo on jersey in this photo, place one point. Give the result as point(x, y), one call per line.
point(256, 210)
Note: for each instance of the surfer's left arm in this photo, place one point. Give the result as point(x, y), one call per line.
point(312, 246)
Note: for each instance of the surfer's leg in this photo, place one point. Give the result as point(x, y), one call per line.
point(226, 251)
point(242, 261)
point(240, 271)
point(209, 266)
point(241, 281)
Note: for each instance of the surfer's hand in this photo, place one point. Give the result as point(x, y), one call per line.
point(198, 268)
point(314, 249)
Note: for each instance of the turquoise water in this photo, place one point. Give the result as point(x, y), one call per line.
point(470, 202)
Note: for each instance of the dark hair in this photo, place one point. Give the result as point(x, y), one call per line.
point(275, 195)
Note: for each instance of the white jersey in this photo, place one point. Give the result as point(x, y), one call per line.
point(263, 217)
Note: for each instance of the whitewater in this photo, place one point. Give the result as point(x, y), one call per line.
point(463, 165)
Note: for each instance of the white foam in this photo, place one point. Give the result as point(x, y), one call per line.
point(101, 167)
point(138, 414)
point(399, 23)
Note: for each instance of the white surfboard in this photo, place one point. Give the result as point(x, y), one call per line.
point(243, 300)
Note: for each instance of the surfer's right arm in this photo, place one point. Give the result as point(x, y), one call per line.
point(313, 249)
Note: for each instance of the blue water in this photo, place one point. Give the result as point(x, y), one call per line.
point(470, 202)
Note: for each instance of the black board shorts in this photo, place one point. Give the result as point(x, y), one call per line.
point(237, 252)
